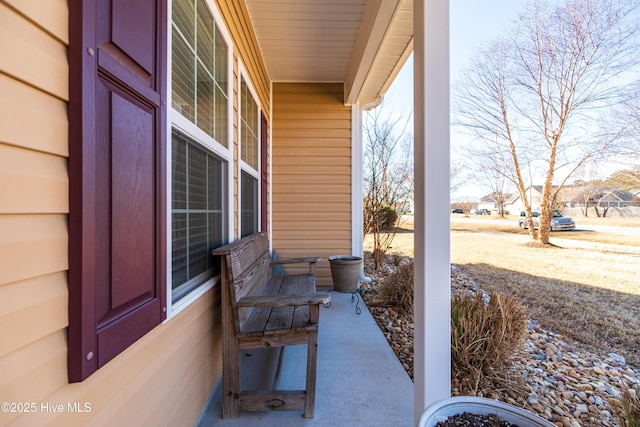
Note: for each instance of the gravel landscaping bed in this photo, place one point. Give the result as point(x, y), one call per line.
point(568, 386)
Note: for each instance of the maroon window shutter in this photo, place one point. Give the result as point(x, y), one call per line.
point(264, 171)
point(117, 178)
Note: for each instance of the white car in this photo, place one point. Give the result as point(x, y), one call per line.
point(558, 222)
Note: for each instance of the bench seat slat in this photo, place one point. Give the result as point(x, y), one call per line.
point(284, 300)
point(281, 318)
point(289, 312)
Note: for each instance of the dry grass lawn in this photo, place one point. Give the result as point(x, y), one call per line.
point(588, 292)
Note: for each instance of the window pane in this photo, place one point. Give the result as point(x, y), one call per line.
point(198, 256)
point(199, 69)
point(249, 126)
point(197, 179)
point(198, 183)
point(249, 209)
point(205, 36)
point(178, 174)
point(205, 109)
point(183, 12)
point(182, 78)
point(221, 133)
point(214, 192)
point(178, 249)
point(221, 60)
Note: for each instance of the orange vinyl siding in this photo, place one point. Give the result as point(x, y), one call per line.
point(311, 173)
point(167, 376)
point(33, 202)
point(245, 48)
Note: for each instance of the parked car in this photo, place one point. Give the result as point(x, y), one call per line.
point(558, 222)
point(483, 212)
point(457, 210)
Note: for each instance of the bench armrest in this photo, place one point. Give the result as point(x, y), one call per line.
point(312, 262)
point(313, 298)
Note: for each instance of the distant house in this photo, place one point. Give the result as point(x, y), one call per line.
point(515, 204)
point(492, 203)
point(615, 198)
point(577, 196)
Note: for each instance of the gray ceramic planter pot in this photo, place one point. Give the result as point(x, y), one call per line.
point(345, 272)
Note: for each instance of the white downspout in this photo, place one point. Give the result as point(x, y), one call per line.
point(432, 346)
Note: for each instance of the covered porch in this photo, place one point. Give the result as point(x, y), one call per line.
point(358, 46)
point(387, 32)
point(360, 381)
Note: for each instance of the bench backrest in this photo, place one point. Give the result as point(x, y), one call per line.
point(246, 271)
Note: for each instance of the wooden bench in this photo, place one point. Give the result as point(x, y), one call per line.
point(260, 310)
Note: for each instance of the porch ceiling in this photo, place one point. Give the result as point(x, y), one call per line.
point(361, 43)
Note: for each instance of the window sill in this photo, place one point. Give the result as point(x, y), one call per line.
point(191, 297)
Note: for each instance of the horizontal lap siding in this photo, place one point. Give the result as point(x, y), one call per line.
point(33, 203)
point(245, 49)
point(311, 181)
point(166, 377)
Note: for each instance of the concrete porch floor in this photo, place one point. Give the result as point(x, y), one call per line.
point(360, 382)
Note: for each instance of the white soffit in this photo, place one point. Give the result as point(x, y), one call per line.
point(361, 43)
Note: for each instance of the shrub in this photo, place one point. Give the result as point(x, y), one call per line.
point(628, 410)
point(397, 289)
point(388, 217)
point(486, 338)
point(379, 218)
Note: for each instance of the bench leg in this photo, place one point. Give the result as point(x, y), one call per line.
point(230, 353)
point(312, 358)
point(231, 380)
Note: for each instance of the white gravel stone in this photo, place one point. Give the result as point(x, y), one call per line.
point(569, 387)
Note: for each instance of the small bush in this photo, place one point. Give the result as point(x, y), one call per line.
point(379, 218)
point(397, 289)
point(628, 411)
point(485, 340)
point(388, 217)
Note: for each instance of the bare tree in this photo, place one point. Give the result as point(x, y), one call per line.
point(541, 100)
point(587, 186)
point(455, 177)
point(388, 177)
point(632, 115)
point(499, 194)
point(493, 173)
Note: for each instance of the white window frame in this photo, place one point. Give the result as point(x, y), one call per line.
point(175, 120)
point(242, 165)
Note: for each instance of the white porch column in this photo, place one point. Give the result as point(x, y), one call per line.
point(432, 346)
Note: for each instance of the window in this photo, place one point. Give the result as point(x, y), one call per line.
point(197, 217)
point(249, 202)
point(248, 126)
point(249, 131)
point(200, 154)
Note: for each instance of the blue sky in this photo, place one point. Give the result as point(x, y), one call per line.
point(473, 23)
